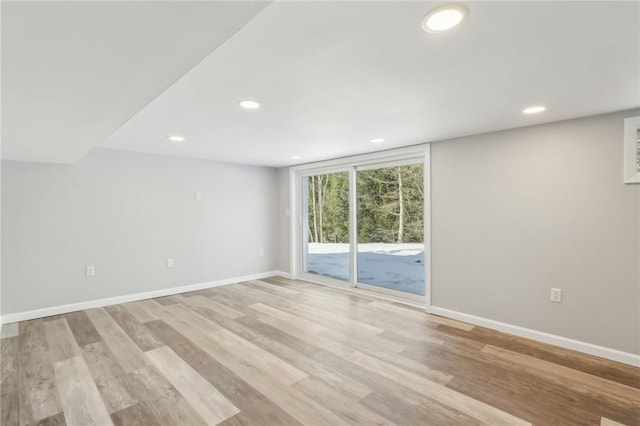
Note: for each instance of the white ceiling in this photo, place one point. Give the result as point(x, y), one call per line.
point(329, 75)
point(74, 72)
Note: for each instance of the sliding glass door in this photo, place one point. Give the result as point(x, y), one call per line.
point(390, 224)
point(363, 225)
point(325, 221)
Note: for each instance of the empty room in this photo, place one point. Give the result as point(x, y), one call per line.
point(280, 213)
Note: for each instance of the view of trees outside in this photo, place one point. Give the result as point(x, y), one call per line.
point(390, 208)
point(391, 205)
point(329, 208)
point(327, 227)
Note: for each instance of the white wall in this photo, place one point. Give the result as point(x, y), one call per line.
point(126, 214)
point(514, 213)
point(517, 212)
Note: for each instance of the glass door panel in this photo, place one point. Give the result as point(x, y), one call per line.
point(390, 228)
point(325, 225)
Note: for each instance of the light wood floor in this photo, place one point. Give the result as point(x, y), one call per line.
point(278, 352)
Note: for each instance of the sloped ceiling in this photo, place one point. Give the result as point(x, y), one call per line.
point(74, 72)
point(329, 75)
point(332, 75)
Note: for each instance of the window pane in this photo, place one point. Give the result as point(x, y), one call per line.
point(391, 228)
point(326, 225)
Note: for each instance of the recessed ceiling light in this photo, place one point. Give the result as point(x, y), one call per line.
point(377, 140)
point(444, 18)
point(176, 138)
point(249, 104)
point(296, 157)
point(534, 109)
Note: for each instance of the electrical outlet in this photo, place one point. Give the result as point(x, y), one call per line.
point(197, 195)
point(91, 271)
point(556, 295)
point(261, 252)
point(169, 263)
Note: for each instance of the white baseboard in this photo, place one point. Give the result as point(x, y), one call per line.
point(552, 339)
point(72, 307)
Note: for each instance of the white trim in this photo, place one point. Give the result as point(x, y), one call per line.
point(324, 171)
point(631, 127)
point(359, 160)
point(426, 217)
point(353, 227)
point(383, 164)
point(552, 339)
point(72, 307)
point(294, 221)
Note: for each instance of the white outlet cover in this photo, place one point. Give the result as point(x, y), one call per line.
point(197, 196)
point(169, 263)
point(91, 271)
point(556, 295)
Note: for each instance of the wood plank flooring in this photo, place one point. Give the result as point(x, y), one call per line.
point(282, 352)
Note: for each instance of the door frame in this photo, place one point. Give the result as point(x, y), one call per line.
point(421, 153)
point(298, 217)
